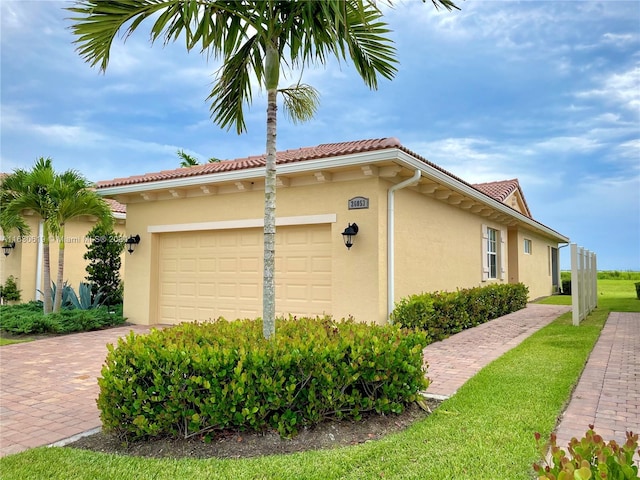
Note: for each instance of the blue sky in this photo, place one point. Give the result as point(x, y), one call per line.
point(544, 91)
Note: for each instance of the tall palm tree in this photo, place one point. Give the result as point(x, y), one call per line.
point(253, 39)
point(26, 190)
point(72, 198)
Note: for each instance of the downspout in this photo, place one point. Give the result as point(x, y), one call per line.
point(391, 236)
point(39, 261)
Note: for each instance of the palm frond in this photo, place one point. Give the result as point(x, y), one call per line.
point(232, 88)
point(300, 102)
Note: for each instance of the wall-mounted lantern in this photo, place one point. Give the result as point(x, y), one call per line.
point(131, 243)
point(7, 247)
point(348, 234)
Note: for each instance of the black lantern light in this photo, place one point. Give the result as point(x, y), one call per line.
point(131, 243)
point(7, 247)
point(348, 234)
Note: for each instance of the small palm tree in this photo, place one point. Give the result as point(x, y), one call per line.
point(253, 39)
point(187, 160)
point(72, 198)
point(28, 190)
point(56, 199)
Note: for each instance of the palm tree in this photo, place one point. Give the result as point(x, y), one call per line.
point(253, 39)
point(29, 190)
point(187, 160)
point(72, 197)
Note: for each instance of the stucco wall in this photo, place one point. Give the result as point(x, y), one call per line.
point(535, 268)
point(356, 274)
point(22, 262)
point(438, 246)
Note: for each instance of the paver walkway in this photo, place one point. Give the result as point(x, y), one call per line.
point(48, 388)
point(456, 359)
point(608, 393)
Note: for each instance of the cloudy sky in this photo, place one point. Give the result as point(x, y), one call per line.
point(544, 91)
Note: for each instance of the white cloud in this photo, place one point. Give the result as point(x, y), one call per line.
point(622, 88)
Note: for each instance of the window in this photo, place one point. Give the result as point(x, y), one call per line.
point(527, 246)
point(492, 252)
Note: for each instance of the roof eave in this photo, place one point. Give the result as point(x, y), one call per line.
point(326, 163)
point(412, 162)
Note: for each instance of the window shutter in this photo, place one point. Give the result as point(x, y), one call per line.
point(485, 260)
point(503, 258)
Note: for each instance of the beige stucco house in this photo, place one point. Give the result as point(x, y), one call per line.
point(25, 261)
point(420, 228)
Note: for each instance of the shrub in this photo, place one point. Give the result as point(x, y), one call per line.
point(194, 379)
point(589, 458)
point(9, 291)
point(441, 314)
point(28, 318)
point(103, 270)
point(566, 287)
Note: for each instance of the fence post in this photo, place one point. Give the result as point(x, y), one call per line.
point(575, 290)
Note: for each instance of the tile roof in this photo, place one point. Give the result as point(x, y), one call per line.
point(501, 190)
point(325, 150)
point(116, 207)
point(498, 191)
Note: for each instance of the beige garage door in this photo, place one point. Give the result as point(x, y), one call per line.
point(209, 274)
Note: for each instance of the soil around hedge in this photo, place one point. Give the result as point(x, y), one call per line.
point(235, 444)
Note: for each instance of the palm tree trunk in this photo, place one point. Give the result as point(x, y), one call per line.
point(272, 71)
point(57, 302)
point(46, 266)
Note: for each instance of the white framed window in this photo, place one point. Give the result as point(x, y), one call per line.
point(527, 246)
point(493, 253)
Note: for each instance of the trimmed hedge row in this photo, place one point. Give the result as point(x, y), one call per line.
point(441, 314)
point(28, 318)
point(193, 379)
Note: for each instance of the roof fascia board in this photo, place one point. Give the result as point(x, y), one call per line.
point(445, 179)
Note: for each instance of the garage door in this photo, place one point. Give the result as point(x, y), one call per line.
point(209, 274)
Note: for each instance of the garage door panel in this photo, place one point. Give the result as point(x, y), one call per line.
point(228, 265)
point(219, 273)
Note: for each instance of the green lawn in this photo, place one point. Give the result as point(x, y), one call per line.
point(484, 431)
point(613, 295)
point(11, 341)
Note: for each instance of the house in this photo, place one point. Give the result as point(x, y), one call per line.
point(419, 228)
point(25, 261)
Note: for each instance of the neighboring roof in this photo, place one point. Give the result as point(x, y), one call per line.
point(501, 190)
point(324, 150)
point(116, 207)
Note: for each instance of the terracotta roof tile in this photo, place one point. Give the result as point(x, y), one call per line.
point(116, 207)
point(325, 150)
point(500, 190)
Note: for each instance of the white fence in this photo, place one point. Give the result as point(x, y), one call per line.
point(584, 282)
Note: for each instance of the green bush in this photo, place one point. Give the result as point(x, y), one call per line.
point(194, 379)
point(589, 458)
point(566, 287)
point(9, 291)
point(28, 318)
point(441, 314)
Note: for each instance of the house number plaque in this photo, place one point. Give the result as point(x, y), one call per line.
point(356, 203)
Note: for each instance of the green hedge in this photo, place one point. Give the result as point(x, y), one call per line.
point(194, 379)
point(441, 314)
point(28, 318)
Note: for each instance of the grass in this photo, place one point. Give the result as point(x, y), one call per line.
point(613, 296)
point(11, 341)
point(484, 431)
